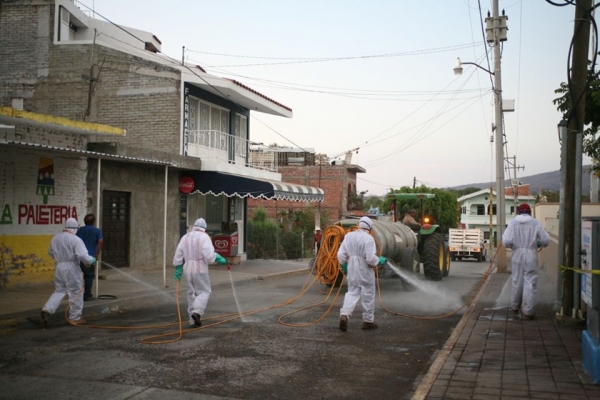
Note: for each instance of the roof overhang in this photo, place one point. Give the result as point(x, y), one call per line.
point(81, 153)
point(13, 116)
point(236, 92)
point(217, 183)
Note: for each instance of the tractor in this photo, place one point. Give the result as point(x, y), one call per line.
point(403, 246)
point(432, 249)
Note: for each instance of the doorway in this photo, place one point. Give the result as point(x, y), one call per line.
point(115, 228)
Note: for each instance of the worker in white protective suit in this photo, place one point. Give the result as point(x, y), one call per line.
point(196, 249)
point(358, 255)
point(68, 250)
point(524, 235)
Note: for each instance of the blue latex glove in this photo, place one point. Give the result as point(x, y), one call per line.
point(220, 260)
point(382, 260)
point(93, 261)
point(344, 267)
point(178, 272)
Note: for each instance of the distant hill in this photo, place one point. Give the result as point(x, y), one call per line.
point(546, 181)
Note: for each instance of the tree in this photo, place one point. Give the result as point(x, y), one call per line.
point(443, 208)
point(548, 196)
point(372, 201)
point(591, 145)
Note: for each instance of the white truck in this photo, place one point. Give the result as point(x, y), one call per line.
point(467, 243)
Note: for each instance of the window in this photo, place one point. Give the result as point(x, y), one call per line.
point(241, 126)
point(215, 209)
point(67, 25)
point(512, 209)
point(463, 210)
point(480, 209)
point(493, 210)
point(205, 116)
point(65, 33)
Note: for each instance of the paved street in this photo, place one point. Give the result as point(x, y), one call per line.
point(251, 358)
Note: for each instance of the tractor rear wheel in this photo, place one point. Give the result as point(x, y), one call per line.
point(433, 256)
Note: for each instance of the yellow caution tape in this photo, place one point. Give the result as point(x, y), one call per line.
point(580, 271)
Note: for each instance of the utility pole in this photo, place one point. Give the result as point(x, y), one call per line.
point(496, 33)
point(414, 182)
point(492, 216)
point(572, 199)
point(514, 181)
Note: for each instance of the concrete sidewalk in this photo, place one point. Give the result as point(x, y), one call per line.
point(493, 354)
point(135, 289)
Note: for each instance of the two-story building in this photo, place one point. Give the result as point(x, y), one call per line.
point(192, 127)
point(478, 209)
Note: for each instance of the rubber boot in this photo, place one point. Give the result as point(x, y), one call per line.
point(369, 325)
point(343, 323)
point(197, 319)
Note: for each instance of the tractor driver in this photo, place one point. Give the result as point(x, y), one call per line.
point(410, 221)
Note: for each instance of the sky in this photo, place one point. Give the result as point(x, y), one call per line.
point(378, 76)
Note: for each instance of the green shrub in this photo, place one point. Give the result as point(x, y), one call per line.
point(282, 239)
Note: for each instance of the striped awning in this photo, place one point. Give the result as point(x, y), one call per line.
point(218, 183)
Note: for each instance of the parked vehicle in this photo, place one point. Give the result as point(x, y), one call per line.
point(467, 243)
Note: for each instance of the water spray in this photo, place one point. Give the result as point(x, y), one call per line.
point(109, 296)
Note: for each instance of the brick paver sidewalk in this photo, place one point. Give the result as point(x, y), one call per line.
point(496, 355)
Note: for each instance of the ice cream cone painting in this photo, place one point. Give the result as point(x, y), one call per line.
point(45, 182)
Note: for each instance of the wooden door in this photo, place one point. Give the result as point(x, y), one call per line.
point(115, 228)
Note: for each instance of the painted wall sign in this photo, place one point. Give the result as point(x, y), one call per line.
point(29, 214)
point(186, 119)
point(45, 180)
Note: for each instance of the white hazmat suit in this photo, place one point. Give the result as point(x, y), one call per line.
point(358, 250)
point(68, 250)
point(197, 250)
point(523, 235)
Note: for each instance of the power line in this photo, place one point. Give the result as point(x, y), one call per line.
point(416, 139)
point(328, 59)
point(357, 90)
point(175, 62)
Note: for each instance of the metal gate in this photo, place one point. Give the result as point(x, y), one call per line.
point(115, 228)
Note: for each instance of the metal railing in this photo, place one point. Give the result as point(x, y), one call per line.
point(224, 146)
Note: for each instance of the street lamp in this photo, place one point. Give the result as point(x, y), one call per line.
point(500, 209)
point(458, 69)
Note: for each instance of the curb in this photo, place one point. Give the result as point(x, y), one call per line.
point(429, 379)
point(29, 318)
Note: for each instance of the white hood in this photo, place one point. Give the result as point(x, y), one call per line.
point(523, 218)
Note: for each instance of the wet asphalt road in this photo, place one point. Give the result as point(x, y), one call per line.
point(251, 358)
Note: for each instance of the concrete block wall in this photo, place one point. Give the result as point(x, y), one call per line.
point(145, 183)
point(139, 95)
point(24, 38)
point(142, 97)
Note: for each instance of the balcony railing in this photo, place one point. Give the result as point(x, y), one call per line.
point(226, 147)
